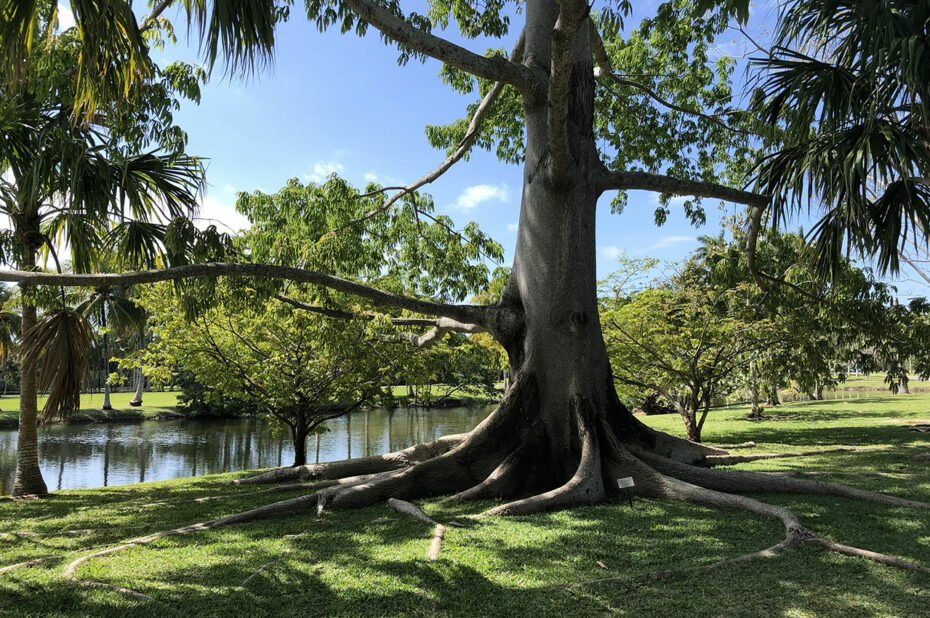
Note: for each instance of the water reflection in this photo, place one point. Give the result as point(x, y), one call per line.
point(73, 456)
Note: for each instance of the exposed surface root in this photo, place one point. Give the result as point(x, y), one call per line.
point(585, 487)
point(28, 563)
point(729, 460)
point(745, 481)
point(24, 497)
point(356, 467)
point(313, 485)
point(494, 461)
point(680, 449)
point(660, 485)
point(278, 509)
point(258, 572)
point(406, 508)
point(888, 560)
point(127, 591)
point(439, 533)
point(770, 552)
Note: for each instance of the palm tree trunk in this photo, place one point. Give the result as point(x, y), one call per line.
point(28, 479)
point(140, 377)
point(106, 358)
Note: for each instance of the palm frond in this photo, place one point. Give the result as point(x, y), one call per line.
point(61, 343)
point(846, 87)
point(241, 31)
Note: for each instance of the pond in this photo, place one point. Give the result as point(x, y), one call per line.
point(100, 455)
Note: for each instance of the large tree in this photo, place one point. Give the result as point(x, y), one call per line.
point(586, 111)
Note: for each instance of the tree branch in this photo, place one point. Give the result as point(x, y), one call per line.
point(494, 68)
point(441, 326)
point(151, 19)
point(471, 135)
point(646, 181)
point(752, 238)
point(473, 314)
point(604, 70)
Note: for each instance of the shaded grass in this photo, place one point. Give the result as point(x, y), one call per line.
point(344, 564)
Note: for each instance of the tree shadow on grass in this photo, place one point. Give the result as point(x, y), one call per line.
point(347, 565)
point(344, 564)
point(806, 437)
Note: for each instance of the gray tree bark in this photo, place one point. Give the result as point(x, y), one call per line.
point(28, 479)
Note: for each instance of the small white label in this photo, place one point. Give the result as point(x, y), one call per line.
point(625, 482)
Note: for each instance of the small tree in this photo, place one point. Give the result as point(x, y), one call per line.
point(296, 367)
point(682, 344)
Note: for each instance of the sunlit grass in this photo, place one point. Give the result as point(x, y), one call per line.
point(153, 404)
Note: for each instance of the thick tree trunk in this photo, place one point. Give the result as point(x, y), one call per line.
point(773, 399)
point(817, 395)
point(692, 429)
point(756, 411)
point(28, 479)
point(905, 389)
point(299, 435)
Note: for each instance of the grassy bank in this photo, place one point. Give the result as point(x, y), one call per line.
point(161, 405)
point(153, 406)
point(347, 563)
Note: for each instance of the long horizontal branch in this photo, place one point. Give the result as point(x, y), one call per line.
point(466, 313)
point(443, 327)
point(493, 68)
point(339, 314)
point(440, 327)
point(646, 181)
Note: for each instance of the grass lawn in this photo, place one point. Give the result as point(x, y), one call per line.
point(153, 404)
point(465, 394)
point(346, 564)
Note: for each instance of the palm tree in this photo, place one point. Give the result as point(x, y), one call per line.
point(73, 179)
point(846, 86)
point(10, 327)
point(113, 310)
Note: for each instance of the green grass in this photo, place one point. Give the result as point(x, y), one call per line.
point(153, 404)
point(344, 564)
point(465, 394)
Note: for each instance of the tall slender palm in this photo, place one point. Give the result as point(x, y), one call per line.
point(10, 327)
point(112, 309)
point(77, 180)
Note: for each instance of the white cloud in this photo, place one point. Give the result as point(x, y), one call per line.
point(674, 201)
point(610, 252)
point(371, 177)
point(65, 17)
point(224, 217)
point(322, 169)
point(512, 227)
point(668, 241)
point(474, 195)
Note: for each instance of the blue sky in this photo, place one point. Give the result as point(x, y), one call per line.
point(339, 103)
